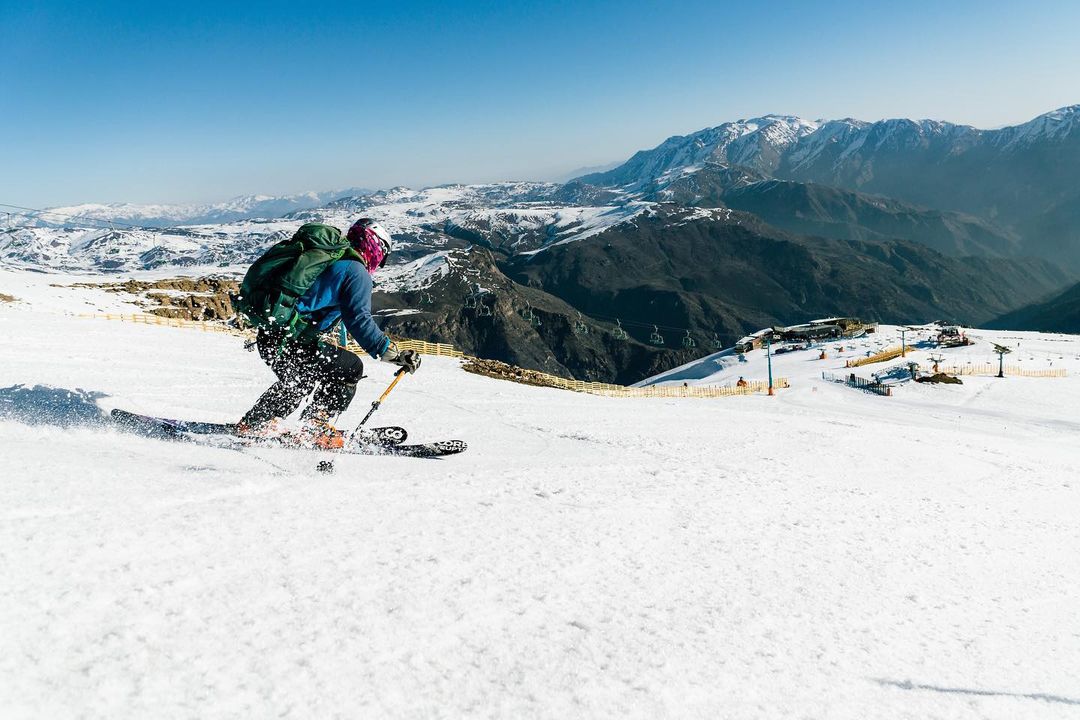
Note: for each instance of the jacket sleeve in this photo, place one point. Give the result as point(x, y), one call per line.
point(355, 301)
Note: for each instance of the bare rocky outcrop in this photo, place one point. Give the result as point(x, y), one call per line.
point(204, 298)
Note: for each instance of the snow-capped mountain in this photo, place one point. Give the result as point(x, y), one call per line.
point(789, 146)
point(1054, 125)
point(510, 217)
point(1021, 179)
point(758, 143)
point(165, 215)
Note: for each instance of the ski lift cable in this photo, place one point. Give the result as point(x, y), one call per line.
point(641, 324)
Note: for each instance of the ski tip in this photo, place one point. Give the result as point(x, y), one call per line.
point(426, 450)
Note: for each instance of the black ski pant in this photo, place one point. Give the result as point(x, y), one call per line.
point(302, 368)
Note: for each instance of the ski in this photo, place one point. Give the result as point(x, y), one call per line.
point(150, 425)
point(437, 449)
point(170, 427)
point(363, 441)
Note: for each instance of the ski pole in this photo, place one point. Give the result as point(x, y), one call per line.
point(327, 466)
point(375, 405)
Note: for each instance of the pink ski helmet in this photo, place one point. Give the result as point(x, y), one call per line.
point(372, 241)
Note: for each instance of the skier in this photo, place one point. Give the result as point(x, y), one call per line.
point(302, 362)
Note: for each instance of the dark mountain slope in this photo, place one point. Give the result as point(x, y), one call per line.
point(812, 209)
point(819, 210)
point(502, 332)
point(1061, 314)
point(729, 274)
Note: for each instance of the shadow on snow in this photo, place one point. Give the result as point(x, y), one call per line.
point(45, 405)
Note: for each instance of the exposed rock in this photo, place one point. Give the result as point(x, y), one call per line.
point(505, 371)
point(939, 378)
point(205, 298)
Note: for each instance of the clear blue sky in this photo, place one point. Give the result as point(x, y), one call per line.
point(200, 101)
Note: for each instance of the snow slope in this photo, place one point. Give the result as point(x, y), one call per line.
point(822, 553)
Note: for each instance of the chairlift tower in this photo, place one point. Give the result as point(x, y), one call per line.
point(1001, 351)
point(768, 349)
point(903, 340)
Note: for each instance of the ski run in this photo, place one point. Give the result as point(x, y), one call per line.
point(824, 553)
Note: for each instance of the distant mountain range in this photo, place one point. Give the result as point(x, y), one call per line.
point(160, 215)
point(775, 220)
point(1021, 182)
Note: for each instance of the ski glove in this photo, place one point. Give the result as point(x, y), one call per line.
point(408, 359)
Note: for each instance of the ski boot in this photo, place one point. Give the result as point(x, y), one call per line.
point(320, 433)
point(272, 429)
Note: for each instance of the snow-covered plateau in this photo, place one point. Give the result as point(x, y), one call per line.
point(517, 217)
point(823, 553)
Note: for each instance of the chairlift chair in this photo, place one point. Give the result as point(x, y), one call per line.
point(656, 338)
point(580, 328)
point(688, 342)
point(529, 315)
point(618, 333)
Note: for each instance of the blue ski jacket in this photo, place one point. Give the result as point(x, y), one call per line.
point(343, 291)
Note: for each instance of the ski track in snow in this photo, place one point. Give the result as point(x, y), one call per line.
point(824, 553)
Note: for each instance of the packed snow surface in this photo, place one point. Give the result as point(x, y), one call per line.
point(823, 553)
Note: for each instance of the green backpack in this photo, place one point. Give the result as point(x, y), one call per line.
point(277, 280)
